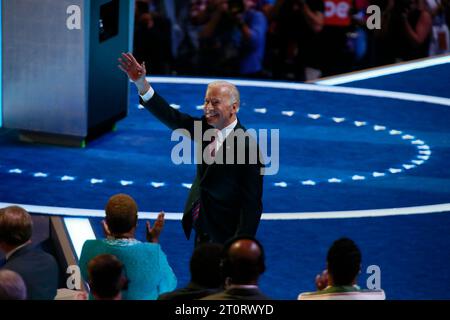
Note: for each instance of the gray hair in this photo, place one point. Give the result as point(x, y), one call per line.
point(12, 286)
point(232, 90)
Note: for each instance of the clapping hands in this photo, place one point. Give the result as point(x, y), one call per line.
point(153, 233)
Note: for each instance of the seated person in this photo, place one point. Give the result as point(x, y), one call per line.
point(205, 274)
point(37, 268)
point(107, 277)
point(338, 282)
point(12, 286)
point(146, 264)
point(242, 264)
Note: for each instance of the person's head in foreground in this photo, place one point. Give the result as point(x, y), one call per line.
point(205, 265)
point(339, 280)
point(106, 277)
point(121, 216)
point(243, 261)
point(343, 263)
point(16, 228)
point(221, 104)
point(12, 286)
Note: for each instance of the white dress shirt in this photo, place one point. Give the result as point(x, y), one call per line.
point(148, 95)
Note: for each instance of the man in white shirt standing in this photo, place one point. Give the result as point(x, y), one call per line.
point(226, 197)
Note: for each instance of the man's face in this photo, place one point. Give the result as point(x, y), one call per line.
point(218, 110)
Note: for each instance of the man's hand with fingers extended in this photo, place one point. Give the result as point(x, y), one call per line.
point(135, 71)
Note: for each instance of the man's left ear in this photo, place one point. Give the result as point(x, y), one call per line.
point(235, 107)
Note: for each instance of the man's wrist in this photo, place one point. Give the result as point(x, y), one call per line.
point(143, 86)
point(147, 94)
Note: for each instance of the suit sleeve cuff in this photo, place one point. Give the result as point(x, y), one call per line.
point(148, 95)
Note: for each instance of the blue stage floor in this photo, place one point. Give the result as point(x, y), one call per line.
point(339, 151)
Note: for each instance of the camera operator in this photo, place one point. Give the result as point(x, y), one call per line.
point(293, 37)
point(405, 31)
point(250, 36)
point(217, 51)
point(232, 38)
point(440, 35)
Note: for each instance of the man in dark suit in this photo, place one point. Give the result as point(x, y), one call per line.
point(205, 274)
point(226, 197)
point(38, 269)
point(243, 263)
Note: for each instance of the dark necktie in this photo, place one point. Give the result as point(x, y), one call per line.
point(212, 147)
point(212, 152)
point(196, 211)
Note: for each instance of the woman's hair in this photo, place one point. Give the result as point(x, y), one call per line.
point(121, 213)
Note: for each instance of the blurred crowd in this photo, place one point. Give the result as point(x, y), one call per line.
point(296, 40)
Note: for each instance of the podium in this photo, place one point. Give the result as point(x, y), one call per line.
point(60, 82)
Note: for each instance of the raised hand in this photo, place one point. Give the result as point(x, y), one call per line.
point(128, 64)
point(135, 71)
point(153, 233)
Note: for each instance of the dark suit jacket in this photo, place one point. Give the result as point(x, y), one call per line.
point(238, 294)
point(38, 270)
point(230, 195)
point(191, 292)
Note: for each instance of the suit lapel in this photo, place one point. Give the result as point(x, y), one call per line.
point(207, 168)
